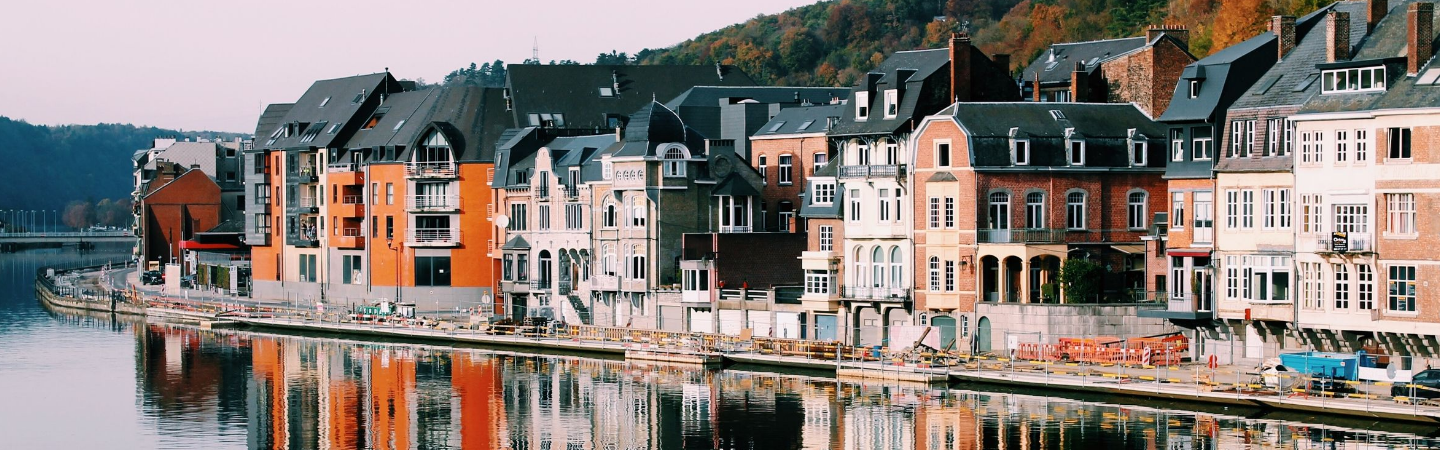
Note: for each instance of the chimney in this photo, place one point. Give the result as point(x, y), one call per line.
point(1284, 29)
point(1376, 11)
point(1337, 37)
point(1420, 31)
point(1002, 61)
point(1179, 32)
point(1036, 90)
point(959, 67)
point(1079, 82)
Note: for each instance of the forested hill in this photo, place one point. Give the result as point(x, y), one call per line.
point(46, 167)
point(833, 42)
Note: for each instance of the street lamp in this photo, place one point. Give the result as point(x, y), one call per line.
point(390, 242)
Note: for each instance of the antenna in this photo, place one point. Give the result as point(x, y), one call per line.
point(535, 50)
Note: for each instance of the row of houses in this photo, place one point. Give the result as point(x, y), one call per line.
point(939, 193)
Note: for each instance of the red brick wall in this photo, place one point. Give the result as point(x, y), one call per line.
point(1182, 238)
point(803, 149)
point(1147, 77)
point(927, 241)
point(192, 196)
point(1107, 200)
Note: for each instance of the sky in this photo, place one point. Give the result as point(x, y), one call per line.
point(213, 65)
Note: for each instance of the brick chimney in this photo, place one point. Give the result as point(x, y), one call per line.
point(1376, 10)
point(1079, 82)
point(1036, 92)
point(960, 67)
point(1419, 31)
point(1284, 29)
point(1179, 32)
point(1337, 37)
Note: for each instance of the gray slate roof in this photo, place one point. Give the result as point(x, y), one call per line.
point(1056, 63)
point(338, 95)
point(274, 113)
point(1298, 66)
point(1226, 75)
point(716, 95)
point(1104, 127)
point(923, 77)
point(834, 210)
point(652, 125)
point(813, 119)
point(1386, 44)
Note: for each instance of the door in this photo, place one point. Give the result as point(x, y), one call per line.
point(787, 325)
point(982, 336)
point(731, 321)
point(946, 326)
point(826, 327)
point(672, 318)
point(1254, 344)
point(702, 321)
point(759, 321)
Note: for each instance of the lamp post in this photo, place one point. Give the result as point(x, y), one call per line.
point(390, 242)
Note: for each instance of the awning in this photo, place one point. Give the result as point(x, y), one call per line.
point(192, 245)
point(1191, 252)
point(1130, 249)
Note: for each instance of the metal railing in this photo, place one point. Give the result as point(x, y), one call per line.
point(309, 202)
point(342, 167)
point(1022, 236)
point(438, 236)
point(872, 171)
point(735, 229)
point(875, 293)
point(352, 199)
point(1353, 242)
point(432, 202)
point(438, 169)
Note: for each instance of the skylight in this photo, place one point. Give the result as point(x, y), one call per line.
point(334, 128)
point(399, 124)
point(1305, 83)
point(324, 102)
point(1267, 84)
point(1057, 114)
point(776, 127)
point(607, 92)
point(805, 125)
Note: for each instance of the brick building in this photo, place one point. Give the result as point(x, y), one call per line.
point(787, 151)
point(1140, 70)
point(176, 205)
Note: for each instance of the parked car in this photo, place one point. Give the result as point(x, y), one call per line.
point(1427, 386)
point(152, 277)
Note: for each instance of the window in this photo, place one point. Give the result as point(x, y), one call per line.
point(522, 267)
point(607, 170)
point(1232, 278)
point(999, 211)
point(1284, 209)
point(307, 269)
point(877, 265)
point(1362, 145)
point(862, 105)
point(1311, 218)
point(1402, 289)
point(1137, 153)
point(1237, 139)
point(1177, 210)
point(1232, 209)
point(608, 264)
point(389, 193)
point(1352, 218)
point(574, 216)
point(1270, 212)
point(699, 280)
point(518, 219)
point(1035, 210)
point(949, 212)
point(892, 153)
point(1249, 145)
point(824, 193)
point(1399, 143)
point(543, 216)
point(1077, 153)
point(820, 160)
point(784, 173)
point(764, 177)
point(638, 209)
point(892, 103)
point(1020, 153)
point(609, 216)
point(817, 282)
point(1177, 144)
point(1364, 287)
point(637, 267)
point(1342, 146)
point(1288, 146)
point(507, 268)
point(1400, 214)
point(934, 274)
point(1312, 147)
point(942, 154)
point(897, 273)
point(432, 270)
point(1342, 287)
point(827, 238)
point(675, 162)
point(1137, 211)
point(884, 205)
point(949, 276)
point(1274, 129)
point(1201, 143)
point(1203, 219)
point(1075, 210)
point(1360, 79)
point(1247, 209)
point(389, 227)
point(1312, 286)
point(1194, 88)
point(1267, 278)
point(934, 212)
point(854, 205)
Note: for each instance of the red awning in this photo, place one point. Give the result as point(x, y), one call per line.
point(1191, 252)
point(192, 245)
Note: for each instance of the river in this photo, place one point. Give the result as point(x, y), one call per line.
point(85, 380)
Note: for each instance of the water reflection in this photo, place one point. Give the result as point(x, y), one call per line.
point(303, 392)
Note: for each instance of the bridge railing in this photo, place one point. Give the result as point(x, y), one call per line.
point(68, 234)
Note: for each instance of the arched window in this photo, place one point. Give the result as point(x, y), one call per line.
point(675, 162)
point(435, 148)
point(1075, 210)
point(638, 265)
point(608, 265)
point(934, 273)
point(545, 269)
point(999, 211)
point(609, 216)
point(877, 263)
point(1035, 210)
point(1137, 210)
point(859, 275)
point(897, 271)
point(637, 211)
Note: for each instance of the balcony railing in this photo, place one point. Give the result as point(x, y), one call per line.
point(440, 169)
point(342, 167)
point(309, 202)
point(1022, 236)
point(735, 229)
point(571, 192)
point(352, 199)
point(308, 175)
point(538, 284)
point(432, 237)
point(872, 171)
point(1350, 243)
point(875, 293)
point(432, 202)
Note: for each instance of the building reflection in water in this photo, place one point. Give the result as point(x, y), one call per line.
point(286, 392)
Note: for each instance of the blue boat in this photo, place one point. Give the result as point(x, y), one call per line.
point(1336, 365)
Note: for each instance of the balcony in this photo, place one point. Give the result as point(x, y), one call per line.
point(351, 206)
point(570, 192)
point(350, 238)
point(439, 169)
point(875, 293)
point(1339, 242)
point(342, 167)
point(1022, 236)
point(539, 284)
point(310, 204)
point(307, 175)
point(605, 282)
point(432, 203)
point(734, 229)
point(1181, 307)
point(432, 237)
point(872, 171)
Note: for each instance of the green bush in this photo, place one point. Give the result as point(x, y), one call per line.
point(1081, 280)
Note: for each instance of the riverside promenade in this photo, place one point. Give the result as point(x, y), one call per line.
point(1182, 382)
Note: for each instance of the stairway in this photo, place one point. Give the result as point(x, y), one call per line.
point(580, 309)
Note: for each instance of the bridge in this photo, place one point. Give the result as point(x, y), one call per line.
point(10, 242)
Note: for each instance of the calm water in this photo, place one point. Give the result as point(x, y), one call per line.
point(72, 380)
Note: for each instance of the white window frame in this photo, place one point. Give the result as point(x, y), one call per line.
point(892, 103)
point(1400, 215)
point(1177, 210)
point(1034, 211)
point(854, 210)
point(934, 266)
point(1070, 151)
point(1354, 79)
point(949, 212)
point(1137, 210)
point(824, 193)
point(1020, 152)
point(1140, 149)
point(1340, 286)
point(784, 172)
point(1177, 144)
point(943, 153)
point(862, 106)
point(1401, 289)
point(1362, 146)
point(1342, 147)
point(1351, 217)
point(1075, 211)
point(1364, 286)
point(827, 238)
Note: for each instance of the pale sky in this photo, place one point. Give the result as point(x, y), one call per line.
point(211, 65)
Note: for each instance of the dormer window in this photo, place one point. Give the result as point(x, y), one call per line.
point(892, 103)
point(374, 120)
point(824, 193)
point(1075, 148)
point(1194, 88)
point(1138, 149)
point(862, 105)
point(1360, 79)
point(675, 162)
point(1020, 152)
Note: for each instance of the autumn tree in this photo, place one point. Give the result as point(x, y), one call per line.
point(798, 50)
point(79, 215)
point(1238, 20)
